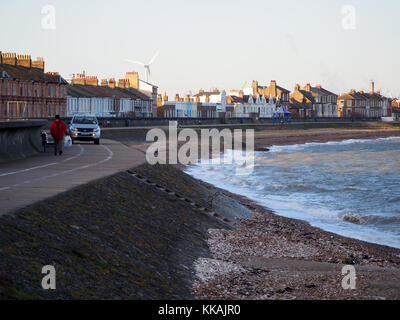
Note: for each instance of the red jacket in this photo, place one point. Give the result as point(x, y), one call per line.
point(57, 130)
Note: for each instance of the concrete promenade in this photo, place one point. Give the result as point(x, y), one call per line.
point(23, 182)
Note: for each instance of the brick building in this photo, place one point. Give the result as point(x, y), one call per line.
point(363, 104)
point(274, 91)
point(26, 91)
point(313, 102)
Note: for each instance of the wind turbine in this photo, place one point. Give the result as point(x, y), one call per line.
point(146, 66)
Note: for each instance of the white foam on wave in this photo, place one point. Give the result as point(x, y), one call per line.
point(298, 205)
point(297, 147)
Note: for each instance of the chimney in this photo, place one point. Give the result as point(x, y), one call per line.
point(92, 81)
point(352, 91)
point(24, 60)
point(372, 87)
point(123, 83)
point(197, 99)
point(307, 87)
point(296, 87)
point(104, 82)
point(133, 78)
point(111, 83)
point(9, 58)
point(79, 78)
point(177, 97)
point(38, 63)
point(187, 99)
point(254, 85)
point(159, 100)
point(1, 58)
point(241, 94)
point(165, 96)
point(201, 91)
point(318, 86)
point(207, 98)
point(361, 91)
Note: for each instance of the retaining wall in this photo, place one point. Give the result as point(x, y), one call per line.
point(20, 139)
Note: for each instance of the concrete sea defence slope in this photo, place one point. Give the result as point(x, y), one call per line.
point(121, 237)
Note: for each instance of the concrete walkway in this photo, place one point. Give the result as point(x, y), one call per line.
point(26, 181)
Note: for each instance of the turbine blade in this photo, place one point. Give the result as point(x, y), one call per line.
point(136, 62)
point(155, 56)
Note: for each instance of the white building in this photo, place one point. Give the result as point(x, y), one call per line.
point(247, 106)
point(104, 101)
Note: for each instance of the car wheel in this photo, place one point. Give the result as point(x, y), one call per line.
point(97, 141)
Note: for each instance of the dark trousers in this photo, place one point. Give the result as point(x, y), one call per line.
point(58, 144)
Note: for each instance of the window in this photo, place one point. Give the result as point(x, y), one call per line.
point(348, 103)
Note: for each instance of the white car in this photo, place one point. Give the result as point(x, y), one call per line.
point(85, 127)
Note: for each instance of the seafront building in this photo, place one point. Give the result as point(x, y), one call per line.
point(26, 91)
point(364, 104)
point(185, 108)
point(110, 99)
point(273, 90)
point(313, 102)
point(239, 105)
point(216, 103)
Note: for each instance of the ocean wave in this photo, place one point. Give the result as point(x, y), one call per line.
point(351, 188)
point(306, 187)
point(296, 147)
point(380, 220)
point(339, 189)
point(395, 199)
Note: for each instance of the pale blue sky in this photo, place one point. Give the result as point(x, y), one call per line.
point(213, 43)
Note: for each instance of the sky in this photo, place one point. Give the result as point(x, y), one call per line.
point(213, 43)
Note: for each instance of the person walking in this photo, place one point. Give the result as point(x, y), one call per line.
point(57, 130)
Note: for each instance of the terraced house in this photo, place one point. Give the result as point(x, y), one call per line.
point(110, 99)
point(365, 105)
point(239, 105)
point(187, 107)
point(274, 91)
point(313, 102)
point(26, 91)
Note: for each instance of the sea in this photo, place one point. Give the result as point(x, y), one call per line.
point(350, 187)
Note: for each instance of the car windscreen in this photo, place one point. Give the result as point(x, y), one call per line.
point(84, 120)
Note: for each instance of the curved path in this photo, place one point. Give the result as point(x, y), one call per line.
point(26, 181)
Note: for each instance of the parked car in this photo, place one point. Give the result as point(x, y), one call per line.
point(85, 127)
